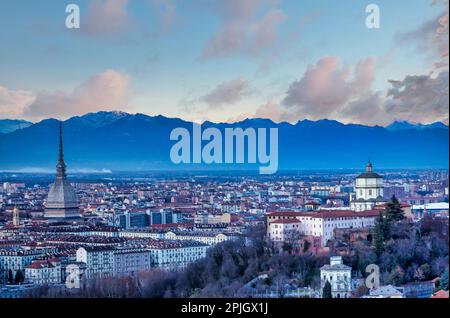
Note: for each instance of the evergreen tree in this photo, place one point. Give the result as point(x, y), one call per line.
point(444, 280)
point(381, 233)
point(10, 277)
point(306, 246)
point(19, 277)
point(393, 210)
point(326, 292)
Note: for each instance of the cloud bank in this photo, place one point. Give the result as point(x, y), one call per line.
point(248, 27)
point(13, 102)
point(106, 18)
point(229, 92)
point(331, 90)
point(108, 90)
point(431, 37)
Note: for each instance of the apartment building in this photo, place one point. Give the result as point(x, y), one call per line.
point(323, 223)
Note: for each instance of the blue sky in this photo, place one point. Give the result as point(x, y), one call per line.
point(226, 60)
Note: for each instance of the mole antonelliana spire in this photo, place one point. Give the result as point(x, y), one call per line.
point(62, 201)
point(61, 166)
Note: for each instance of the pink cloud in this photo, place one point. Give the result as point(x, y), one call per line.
point(242, 30)
point(106, 18)
point(431, 37)
point(323, 88)
point(229, 92)
point(105, 91)
point(270, 110)
point(422, 98)
point(13, 102)
point(331, 90)
point(345, 93)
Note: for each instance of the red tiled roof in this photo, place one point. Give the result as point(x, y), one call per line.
point(285, 213)
point(285, 221)
point(40, 264)
point(440, 294)
point(326, 214)
point(172, 225)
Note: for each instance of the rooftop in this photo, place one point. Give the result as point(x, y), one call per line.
point(326, 214)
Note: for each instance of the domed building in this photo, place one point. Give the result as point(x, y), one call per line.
point(62, 202)
point(368, 190)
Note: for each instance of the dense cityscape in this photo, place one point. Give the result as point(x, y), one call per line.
point(296, 234)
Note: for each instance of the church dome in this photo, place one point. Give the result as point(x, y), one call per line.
point(369, 174)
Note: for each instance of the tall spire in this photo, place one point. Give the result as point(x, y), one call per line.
point(62, 200)
point(61, 166)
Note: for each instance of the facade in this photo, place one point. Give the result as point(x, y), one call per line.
point(164, 216)
point(339, 276)
point(142, 219)
point(176, 255)
point(204, 237)
point(441, 209)
point(368, 190)
point(43, 272)
point(108, 261)
point(13, 261)
point(284, 229)
point(388, 291)
point(324, 222)
point(210, 218)
point(99, 261)
point(418, 289)
point(132, 261)
point(61, 201)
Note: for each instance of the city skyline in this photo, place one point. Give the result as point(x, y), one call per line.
point(283, 60)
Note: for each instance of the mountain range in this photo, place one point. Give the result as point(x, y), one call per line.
point(120, 141)
point(10, 125)
point(405, 125)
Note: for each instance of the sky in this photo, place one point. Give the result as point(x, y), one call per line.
point(226, 60)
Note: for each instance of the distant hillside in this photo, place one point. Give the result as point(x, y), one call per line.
point(405, 125)
point(120, 141)
point(10, 125)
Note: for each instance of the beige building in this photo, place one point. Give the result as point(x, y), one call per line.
point(283, 230)
point(210, 218)
point(339, 277)
point(323, 223)
point(43, 272)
